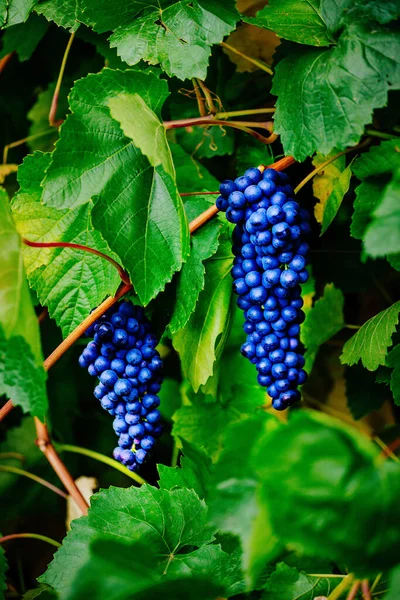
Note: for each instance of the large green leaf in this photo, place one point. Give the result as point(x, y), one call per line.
point(323, 321)
point(138, 210)
point(174, 33)
point(296, 20)
point(68, 281)
point(200, 342)
point(24, 38)
point(13, 12)
point(288, 582)
point(165, 521)
point(193, 473)
point(335, 91)
point(383, 234)
point(328, 495)
point(22, 377)
point(371, 342)
point(65, 13)
point(117, 571)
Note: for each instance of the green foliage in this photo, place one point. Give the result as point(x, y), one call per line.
point(241, 501)
point(175, 34)
point(371, 342)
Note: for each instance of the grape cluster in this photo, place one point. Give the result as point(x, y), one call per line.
point(269, 266)
point(123, 356)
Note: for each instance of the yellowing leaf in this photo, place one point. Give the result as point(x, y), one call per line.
point(325, 181)
point(250, 7)
point(6, 170)
point(254, 42)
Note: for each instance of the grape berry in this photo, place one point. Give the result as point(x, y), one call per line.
point(269, 266)
point(123, 357)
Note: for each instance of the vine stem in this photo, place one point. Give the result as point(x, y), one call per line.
point(12, 455)
point(43, 437)
point(244, 113)
point(5, 60)
point(353, 590)
point(34, 536)
point(365, 590)
point(208, 97)
point(23, 141)
point(200, 100)
point(40, 480)
point(122, 273)
point(257, 63)
point(199, 194)
point(342, 587)
point(328, 162)
point(101, 458)
point(211, 120)
point(54, 103)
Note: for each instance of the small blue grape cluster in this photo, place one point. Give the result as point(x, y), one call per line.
point(123, 356)
point(269, 266)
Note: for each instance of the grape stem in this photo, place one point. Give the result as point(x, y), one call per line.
point(53, 122)
point(34, 536)
point(122, 273)
point(43, 437)
point(200, 100)
point(343, 585)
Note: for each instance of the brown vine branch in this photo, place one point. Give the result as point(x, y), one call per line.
point(54, 103)
point(5, 60)
point(211, 120)
point(365, 590)
point(200, 100)
point(208, 97)
point(353, 591)
point(122, 273)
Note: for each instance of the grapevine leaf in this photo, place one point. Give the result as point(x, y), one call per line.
point(371, 342)
point(176, 34)
point(382, 236)
point(22, 377)
point(287, 582)
point(199, 342)
point(329, 186)
point(323, 321)
point(393, 360)
point(335, 90)
point(166, 521)
point(68, 281)
point(250, 152)
point(13, 12)
point(139, 123)
point(296, 20)
point(24, 38)
point(193, 473)
point(394, 260)
point(363, 392)
point(368, 194)
point(43, 592)
point(118, 570)
point(64, 13)
point(394, 585)
point(315, 462)
point(138, 210)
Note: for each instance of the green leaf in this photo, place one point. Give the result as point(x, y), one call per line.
point(44, 592)
point(335, 199)
point(375, 169)
point(363, 392)
point(382, 236)
point(24, 38)
point(68, 281)
point(117, 571)
point(393, 360)
point(22, 377)
point(323, 321)
point(250, 152)
point(335, 91)
point(177, 35)
point(165, 521)
point(372, 340)
point(13, 12)
point(138, 210)
point(64, 13)
point(200, 342)
point(394, 585)
point(142, 125)
point(326, 471)
point(296, 20)
point(3, 570)
point(287, 582)
point(193, 473)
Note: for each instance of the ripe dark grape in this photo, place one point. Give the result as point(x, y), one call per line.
point(123, 356)
point(268, 270)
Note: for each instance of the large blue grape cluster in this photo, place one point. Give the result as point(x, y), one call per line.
point(123, 356)
point(269, 266)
